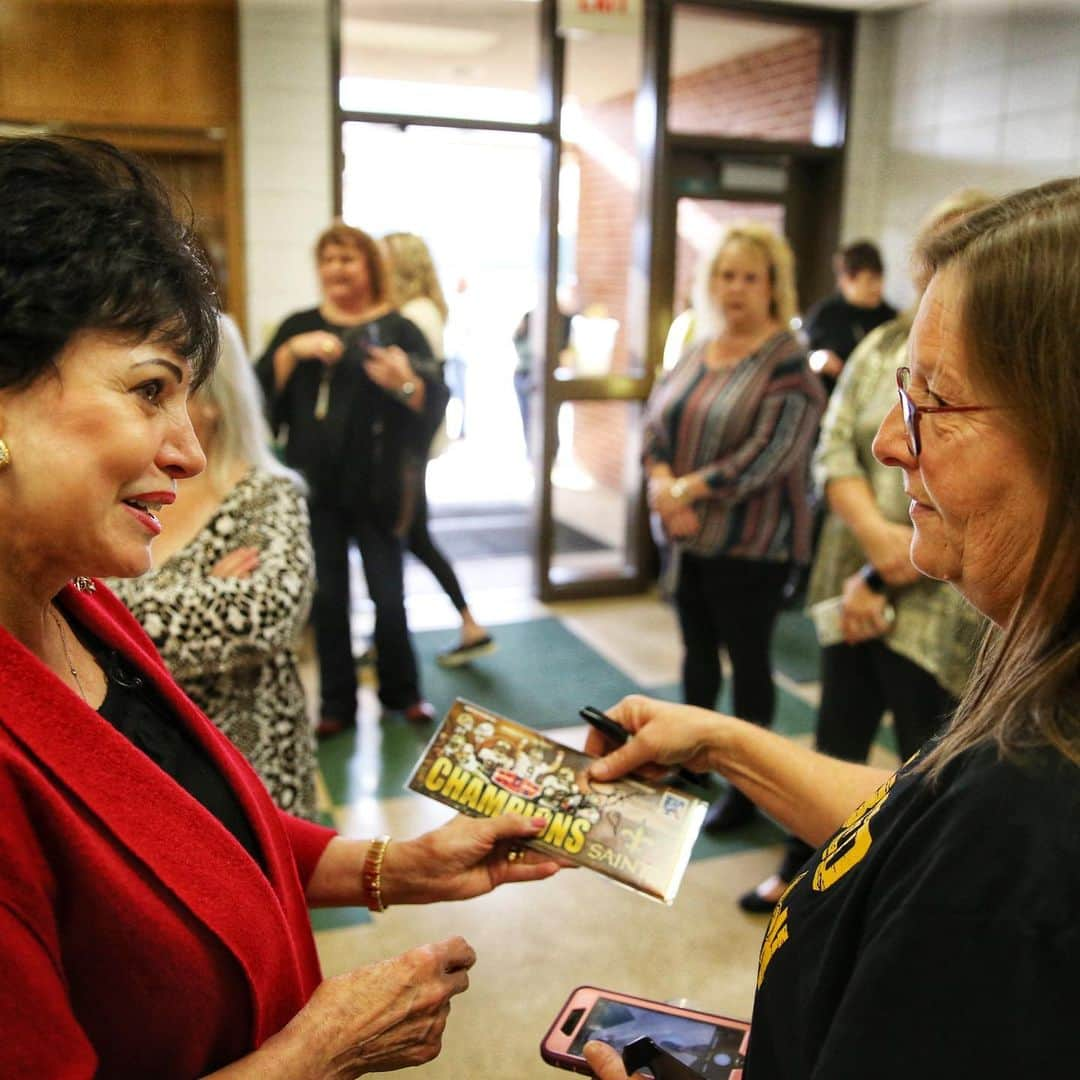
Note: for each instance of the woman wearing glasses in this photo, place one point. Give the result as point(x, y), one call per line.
point(907, 642)
point(934, 933)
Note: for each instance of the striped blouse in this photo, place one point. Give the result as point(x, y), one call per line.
point(749, 428)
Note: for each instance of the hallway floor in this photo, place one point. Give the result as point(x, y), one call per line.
point(536, 943)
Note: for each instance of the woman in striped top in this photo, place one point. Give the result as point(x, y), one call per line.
point(728, 436)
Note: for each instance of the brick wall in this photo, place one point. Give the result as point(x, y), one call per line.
point(768, 94)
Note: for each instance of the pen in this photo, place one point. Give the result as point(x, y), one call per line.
point(618, 735)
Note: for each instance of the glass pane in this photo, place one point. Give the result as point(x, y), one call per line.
point(596, 459)
point(598, 195)
point(474, 198)
point(474, 59)
point(735, 75)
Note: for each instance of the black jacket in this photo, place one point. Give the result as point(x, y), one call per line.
point(368, 452)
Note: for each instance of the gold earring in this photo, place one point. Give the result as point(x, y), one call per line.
point(5, 455)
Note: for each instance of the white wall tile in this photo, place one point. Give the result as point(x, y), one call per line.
point(1039, 29)
point(288, 149)
point(975, 40)
point(970, 143)
point(971, 97)
point(1050, 83)
point(1042, 136)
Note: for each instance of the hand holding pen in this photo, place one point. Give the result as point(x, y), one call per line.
point(615, 733)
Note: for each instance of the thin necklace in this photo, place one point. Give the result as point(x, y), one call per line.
point(67, 655)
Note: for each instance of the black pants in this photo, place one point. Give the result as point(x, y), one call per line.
point(424, 548)
point(731, 604)
point(332, 528)
point(858, 684)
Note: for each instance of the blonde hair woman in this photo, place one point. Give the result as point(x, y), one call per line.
point(420, 299)
point(232, 581)
point(727, 438)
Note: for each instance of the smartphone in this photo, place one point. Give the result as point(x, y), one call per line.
point(363, 338)
point(712, 1046)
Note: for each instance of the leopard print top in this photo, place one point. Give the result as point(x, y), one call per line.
point(231, 642)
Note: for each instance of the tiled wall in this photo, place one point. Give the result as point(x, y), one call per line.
point(288, 147)
point(951, 95)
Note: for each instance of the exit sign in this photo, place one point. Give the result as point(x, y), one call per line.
point(618, 16)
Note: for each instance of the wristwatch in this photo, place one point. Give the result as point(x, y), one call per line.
point(874, 581)
point(679, 489)
point(406, 390)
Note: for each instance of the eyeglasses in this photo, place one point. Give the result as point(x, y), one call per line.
point(912, 412)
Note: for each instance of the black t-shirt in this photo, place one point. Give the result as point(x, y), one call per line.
point(355, 455)
point(835, 324)
point(137, 711)
point(935, 936)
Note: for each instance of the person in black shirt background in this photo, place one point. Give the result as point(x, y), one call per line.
point(835, 325)
point(355, 385)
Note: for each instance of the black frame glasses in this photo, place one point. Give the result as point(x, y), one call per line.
point(912, 412)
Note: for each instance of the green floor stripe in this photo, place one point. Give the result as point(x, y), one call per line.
point(540, 676)
point(337, 918)
point(795, 649)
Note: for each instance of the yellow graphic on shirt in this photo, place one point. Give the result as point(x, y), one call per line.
point(849, 846)
point(777, 933)
point(845, 851)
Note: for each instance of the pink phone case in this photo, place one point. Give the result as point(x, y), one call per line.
point(554, 1046)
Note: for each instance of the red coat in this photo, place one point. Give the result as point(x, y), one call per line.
point(137, 937)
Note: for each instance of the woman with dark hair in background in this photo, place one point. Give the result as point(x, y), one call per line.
point(835, 325)
point(420, 299)
point(727, 437)
point(232, 580)
point(354, 384)
point(153, 900)
point(934, 932)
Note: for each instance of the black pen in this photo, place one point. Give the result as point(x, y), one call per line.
point(614, 731)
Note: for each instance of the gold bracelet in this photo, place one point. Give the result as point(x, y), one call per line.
point(371, 874)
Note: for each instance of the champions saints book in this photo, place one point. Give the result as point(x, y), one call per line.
point(638, 833)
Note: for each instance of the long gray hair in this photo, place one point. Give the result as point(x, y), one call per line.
point(242, 434)
point(1020, 309)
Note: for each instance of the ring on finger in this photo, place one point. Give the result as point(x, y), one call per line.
point(515, 854)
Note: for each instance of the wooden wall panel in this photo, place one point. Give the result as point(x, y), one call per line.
point(160, 77)
point(141, 62)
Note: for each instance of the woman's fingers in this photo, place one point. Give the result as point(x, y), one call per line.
point(606, 1062)
point(457, 955)
point(663, 734)
point(238, 563)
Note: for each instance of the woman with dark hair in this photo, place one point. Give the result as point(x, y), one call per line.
point(153, 900)
point(934, 932)
point(354, 384)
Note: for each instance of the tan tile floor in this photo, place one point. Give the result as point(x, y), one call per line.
point(536, 943)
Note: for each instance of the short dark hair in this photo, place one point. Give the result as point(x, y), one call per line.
point(89, 241)
point(862, 255)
